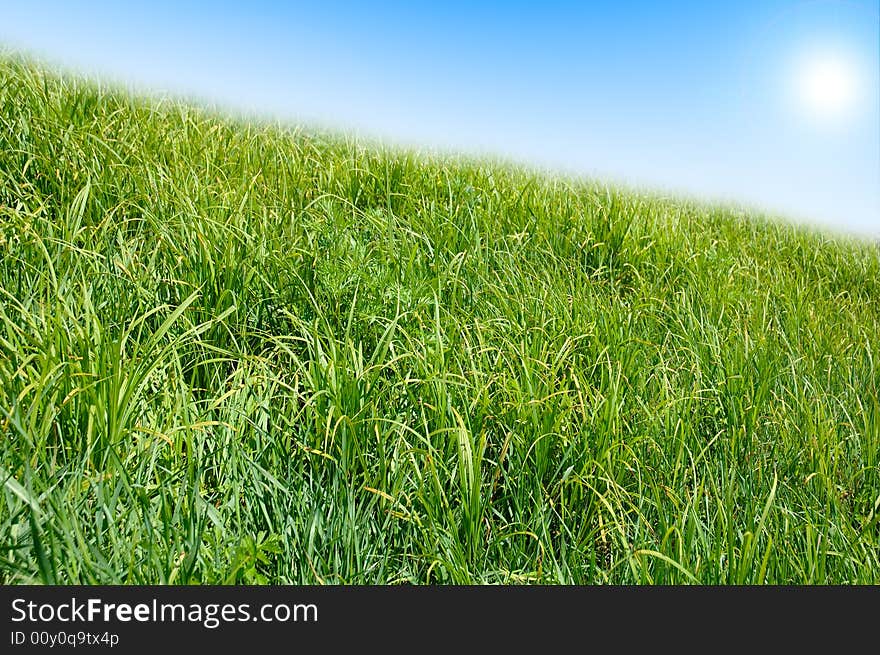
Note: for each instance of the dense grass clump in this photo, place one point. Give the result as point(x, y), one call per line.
point(243, 353)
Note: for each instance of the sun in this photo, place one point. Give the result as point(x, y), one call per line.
point(827, 86)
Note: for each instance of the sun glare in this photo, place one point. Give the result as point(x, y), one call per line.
point(827, 87)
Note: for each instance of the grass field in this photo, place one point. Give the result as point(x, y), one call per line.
point(234, 352)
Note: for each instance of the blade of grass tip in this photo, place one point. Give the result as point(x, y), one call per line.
point(668, 560)
point(76, 211)
point(18, 490)
point(171, 319)
point(381, 349)
point(14, 422)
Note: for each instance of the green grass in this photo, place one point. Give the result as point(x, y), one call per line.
point(234, 352)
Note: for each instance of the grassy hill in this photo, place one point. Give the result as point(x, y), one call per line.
point(246, 353)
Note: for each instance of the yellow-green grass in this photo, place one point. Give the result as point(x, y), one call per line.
point(234, 352)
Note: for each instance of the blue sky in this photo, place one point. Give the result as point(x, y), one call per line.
point(699, 98)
